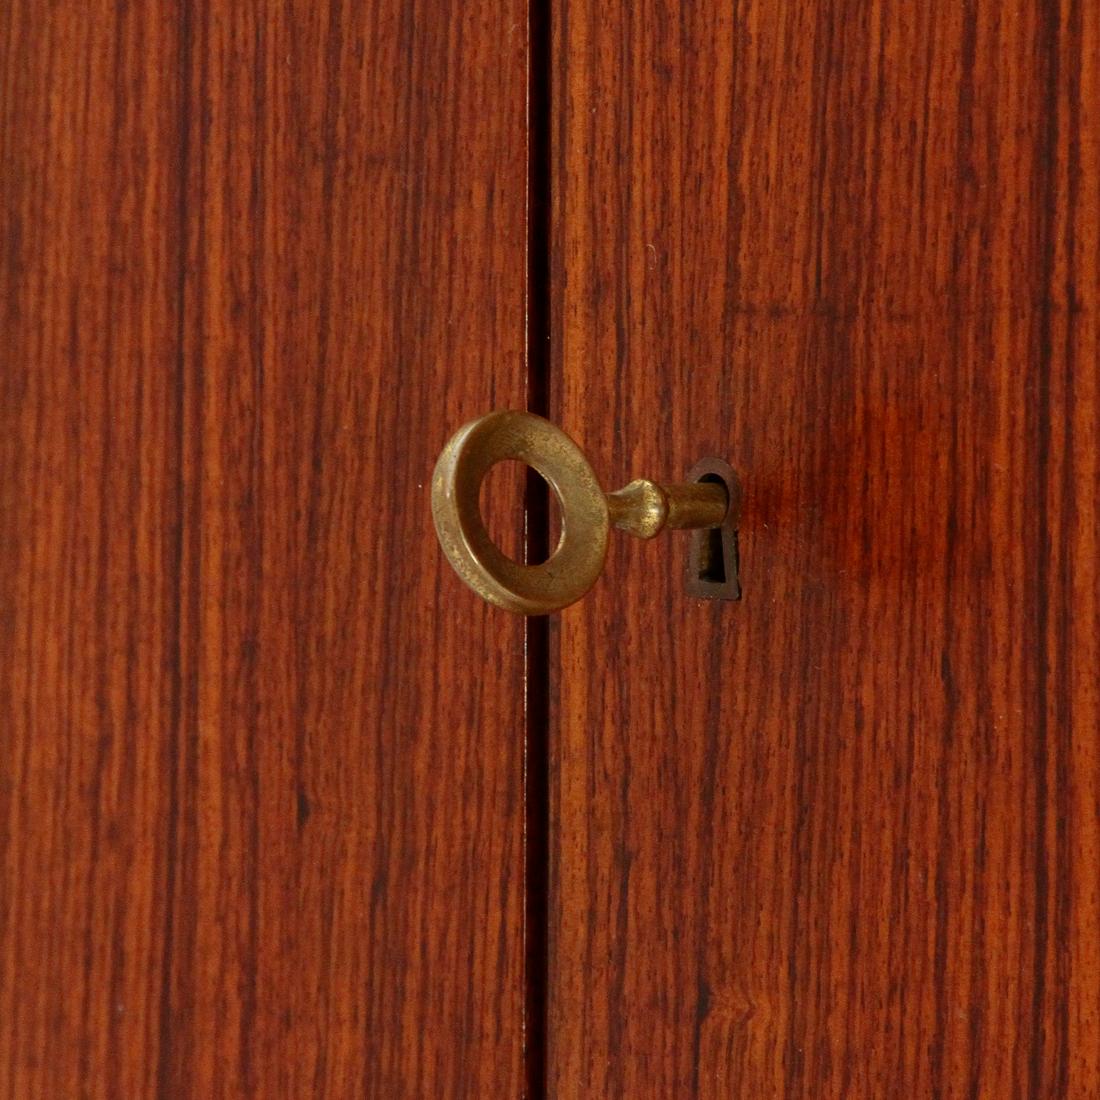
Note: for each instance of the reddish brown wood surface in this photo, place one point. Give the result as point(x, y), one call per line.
point(841, 839)
point(260, 789)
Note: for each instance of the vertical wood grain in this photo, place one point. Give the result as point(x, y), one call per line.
point(842, 838)
point(261, 787)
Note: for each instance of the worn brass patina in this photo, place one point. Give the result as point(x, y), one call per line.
point(643, 508)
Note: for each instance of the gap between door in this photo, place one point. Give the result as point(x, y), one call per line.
point(537, 515)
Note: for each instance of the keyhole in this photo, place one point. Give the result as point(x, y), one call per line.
point(713, 567)
point(711, 562)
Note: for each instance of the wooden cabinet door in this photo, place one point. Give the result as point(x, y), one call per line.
point(840, 839)
point(286, 811)
point(261, 780)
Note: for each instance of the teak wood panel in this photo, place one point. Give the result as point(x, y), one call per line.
point(841, 838)
point(261, 798)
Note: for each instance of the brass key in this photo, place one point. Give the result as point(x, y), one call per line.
point(643, 508)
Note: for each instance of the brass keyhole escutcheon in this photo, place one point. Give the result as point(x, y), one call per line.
point(643, 508)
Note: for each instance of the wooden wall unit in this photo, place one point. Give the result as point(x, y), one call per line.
point(287, 811)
